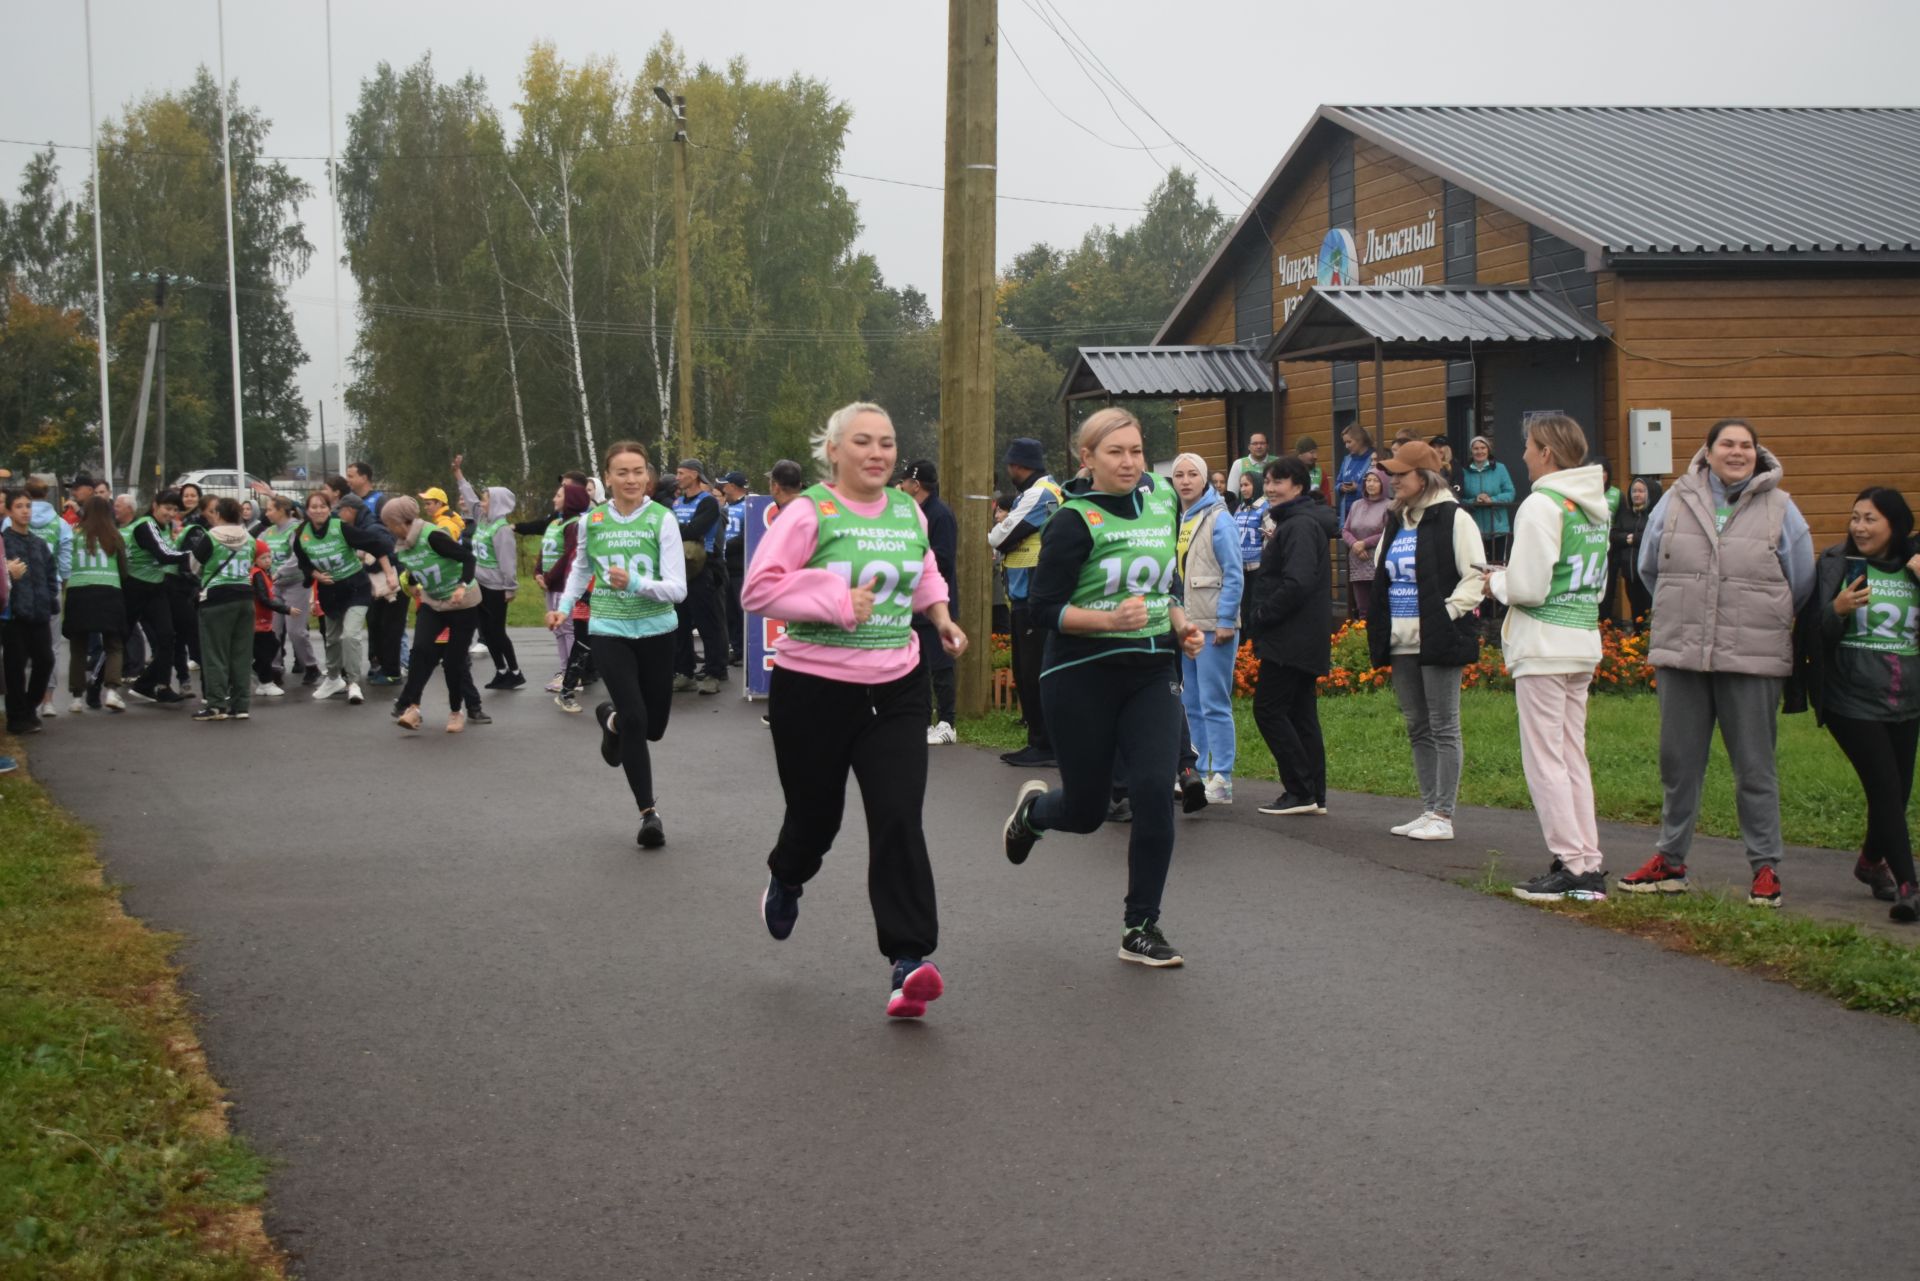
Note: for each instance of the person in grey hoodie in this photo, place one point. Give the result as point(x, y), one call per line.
point(1730, 562)
point(496, 557)
point(1865, 616)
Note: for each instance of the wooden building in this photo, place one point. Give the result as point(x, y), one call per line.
point(1453, 269)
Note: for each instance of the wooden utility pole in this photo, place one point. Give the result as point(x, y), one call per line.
point(683, 299)
point(966, 327)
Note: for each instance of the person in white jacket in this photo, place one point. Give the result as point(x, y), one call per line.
point(1554, 581)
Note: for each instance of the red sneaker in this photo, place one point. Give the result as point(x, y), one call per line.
point(1656, 876)
point(1766, 889)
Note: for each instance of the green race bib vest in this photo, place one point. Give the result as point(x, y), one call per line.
point(1580, 575)
point(553, 543)
point(93, 567)
point(280, 544)
point(888, 550)
point(1889, 623)
point(436, 575)
point(1131, 556)
point(329, 553)
point(140, 565)
point(483, 557)
point(226, 567)
point(634, 546)
point(49, 532)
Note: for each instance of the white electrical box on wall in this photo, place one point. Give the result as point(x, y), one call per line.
point(1650, 442)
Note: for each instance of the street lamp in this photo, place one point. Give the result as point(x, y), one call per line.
point(676, 105)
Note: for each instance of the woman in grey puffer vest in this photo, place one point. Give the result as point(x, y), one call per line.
point(1730, 561)
point(1866, 686)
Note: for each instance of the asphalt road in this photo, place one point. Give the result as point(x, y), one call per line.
point(483, 1035)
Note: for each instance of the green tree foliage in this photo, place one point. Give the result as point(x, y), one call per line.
point(48, 393)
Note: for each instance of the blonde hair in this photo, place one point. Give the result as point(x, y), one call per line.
point(1429, 481)
point(837, 427)
point(1562, 438)
point(1101, 424)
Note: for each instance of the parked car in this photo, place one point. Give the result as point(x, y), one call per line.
point(227, 484)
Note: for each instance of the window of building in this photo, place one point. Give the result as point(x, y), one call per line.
point(1253, 299)
point(1340, 184)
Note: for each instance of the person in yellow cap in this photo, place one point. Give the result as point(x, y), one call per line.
point(434, 507)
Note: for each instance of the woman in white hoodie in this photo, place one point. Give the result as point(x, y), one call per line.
point(1554, 582)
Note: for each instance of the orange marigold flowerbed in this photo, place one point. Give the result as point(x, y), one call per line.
point(1623, 665)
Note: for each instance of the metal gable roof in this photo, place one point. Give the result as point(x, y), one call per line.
point(1677, 180)
point(1166, 371)
point(1340, 320)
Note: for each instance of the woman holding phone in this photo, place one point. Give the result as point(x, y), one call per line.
point(1867, 688)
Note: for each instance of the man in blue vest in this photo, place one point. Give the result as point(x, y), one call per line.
point(733, 492)
point(1017, 539)
point(701, 529)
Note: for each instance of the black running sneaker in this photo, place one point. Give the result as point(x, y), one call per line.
point(167, 696)
point(1876, 876)
point(310, 677)
point(653, 833)
point(915, 983)
point(780, 907)
point(477, 717)
point(1193, 791)
point(210, 714)
point(1558, 883)
point(1144, 944)
point(1120, 810)
point(609, 736)
point(1029, 757)
point(1288, 803)
point(1906, 904)
point(1020, 835)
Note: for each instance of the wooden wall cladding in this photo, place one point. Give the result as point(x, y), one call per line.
point(1811, 362)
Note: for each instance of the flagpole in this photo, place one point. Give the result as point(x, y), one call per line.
point(233, 279)
point(99, 267)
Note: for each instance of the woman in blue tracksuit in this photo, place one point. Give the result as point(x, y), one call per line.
point(1213, 575)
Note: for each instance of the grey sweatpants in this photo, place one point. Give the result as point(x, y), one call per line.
point(1430, 702)
point(1745, 708)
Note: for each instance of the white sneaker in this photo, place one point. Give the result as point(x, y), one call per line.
point(478, 648)
point(328, 688)
point(1406, 828)
point(354, 696)
point(269, 690)
point(1219, 789)
point(46, 708)
point(192, 665)
point(1434, 828)
point(78, 707)
point(939, 735)
point(112, 701)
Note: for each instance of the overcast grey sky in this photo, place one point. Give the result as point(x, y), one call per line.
point(1233, 80)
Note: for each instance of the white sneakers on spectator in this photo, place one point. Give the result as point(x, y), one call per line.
point(355, 697)
point(328, 688)
point(269, 690)
point(77, 707)
point(1431, 827)
point(112, 701)
point(1401, 829)
point(1219, 789)
point(939, 735)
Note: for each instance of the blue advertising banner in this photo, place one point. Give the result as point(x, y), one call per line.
point(763, 633)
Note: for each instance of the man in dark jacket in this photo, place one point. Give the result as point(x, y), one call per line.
point(27, 630)
point(702, 527)
point(922, 484)
point(1289, 615)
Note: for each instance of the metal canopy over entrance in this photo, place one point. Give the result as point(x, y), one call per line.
point(1231, 373)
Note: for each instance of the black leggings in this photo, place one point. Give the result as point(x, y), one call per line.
point(821, 730)
point(1882, 753)
point(150, 606)
point(493, 629)
point(1286, 708)
point(183, 605)
point(428, 622)
point(1091, 710)
point(639, 677)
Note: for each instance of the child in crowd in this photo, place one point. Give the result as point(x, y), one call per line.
point(266, 604)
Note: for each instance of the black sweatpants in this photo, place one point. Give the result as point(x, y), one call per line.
point(150, 605)
point(736, 616)
point(493, 630)
point(580, 657)
point(428, 622)
point(1286, 707)
point(821, 730)
point(29, 670)
point(183, 607)
point(1029, 648)
point(700, 612)
point(1095, 708)
point(386, 624)
point(1882, 753)
point(639, 679)
point(938, 665)
point(266, 658)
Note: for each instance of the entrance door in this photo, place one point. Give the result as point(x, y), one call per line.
point(1514, 385)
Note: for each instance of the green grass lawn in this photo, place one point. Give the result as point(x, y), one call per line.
point(114, 1158)
point(1820, 799)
